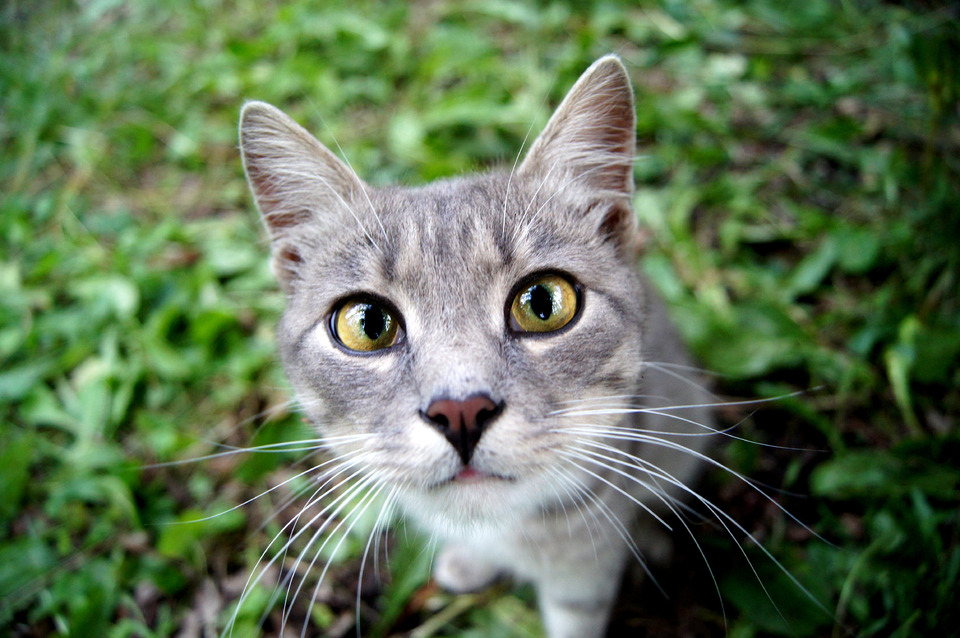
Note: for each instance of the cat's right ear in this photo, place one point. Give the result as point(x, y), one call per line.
point(300, 186)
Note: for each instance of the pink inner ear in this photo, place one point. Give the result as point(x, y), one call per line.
point(269, 197)
point(260, 179)
point(282, 220)
point(614, 220)
point(592, 133)
point(289, 254)
point(286, 262)
point(617, 224)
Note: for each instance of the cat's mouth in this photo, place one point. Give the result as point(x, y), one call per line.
point(469, 475)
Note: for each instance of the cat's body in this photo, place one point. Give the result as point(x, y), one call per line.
point(478, 349)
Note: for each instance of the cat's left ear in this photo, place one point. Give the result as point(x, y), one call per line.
point(589, 144)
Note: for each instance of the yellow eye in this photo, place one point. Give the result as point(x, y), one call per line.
point(544, 305)
point(365, 326)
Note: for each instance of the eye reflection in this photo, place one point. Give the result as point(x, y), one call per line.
point(365, 326)
point(546, 304)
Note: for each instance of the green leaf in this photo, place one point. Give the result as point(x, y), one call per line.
point(17, 382)
point(111, 294)
point(857, 249)
point(758, 339)
point(774, 602)
point(883, 474)
point(182, 539)
point(16, 456)
point(899, 360)
point(25, 562)
point(810, 273)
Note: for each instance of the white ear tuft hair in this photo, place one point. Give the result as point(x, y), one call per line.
point(295, 180)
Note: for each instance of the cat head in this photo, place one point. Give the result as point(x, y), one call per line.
point(434, 335)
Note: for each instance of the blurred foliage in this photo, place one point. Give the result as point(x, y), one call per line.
point(800, 179)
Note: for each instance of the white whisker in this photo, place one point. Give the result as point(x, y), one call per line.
point(506, 194)
point(260, 495)
point(364, 503)
point(669, 502)
point(569, 456)
point(309, 177)
point(353, 173)
point(602, 432)
point(617, 524)
point(689, 406)
point(257, 573)
point(722, 517)
point(270, 447)
point(533, 198)
point(355, 489)
point(324, 479)
point(670, 370)
point(378, 526)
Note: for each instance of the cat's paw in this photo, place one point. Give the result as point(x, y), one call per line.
point(459, 571)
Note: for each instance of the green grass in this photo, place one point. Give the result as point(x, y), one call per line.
point(800, 180)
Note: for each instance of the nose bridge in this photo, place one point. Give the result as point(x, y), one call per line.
point(456, 369)
point(457, 341)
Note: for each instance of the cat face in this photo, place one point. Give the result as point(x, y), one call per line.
point(434, 335)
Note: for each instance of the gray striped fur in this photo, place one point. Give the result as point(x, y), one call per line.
point(447, 256)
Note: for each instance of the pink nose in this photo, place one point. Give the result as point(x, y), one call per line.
point(463, 422)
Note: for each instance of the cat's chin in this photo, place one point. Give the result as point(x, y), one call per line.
point(470, 502)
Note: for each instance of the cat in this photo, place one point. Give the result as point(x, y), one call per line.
point(482, 352)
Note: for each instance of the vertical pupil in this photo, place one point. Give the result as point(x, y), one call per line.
point(541, 302)
point(373, 322)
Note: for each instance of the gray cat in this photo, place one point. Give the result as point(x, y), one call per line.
point(482, 352)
